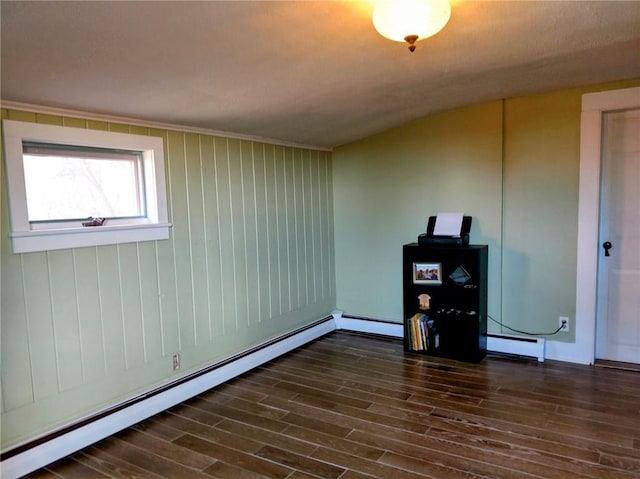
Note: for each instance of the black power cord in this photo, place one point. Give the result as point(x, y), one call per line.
point(526, 332)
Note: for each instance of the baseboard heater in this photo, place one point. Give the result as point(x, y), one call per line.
point(497, 343)
point(39, 452)
point(517, 345)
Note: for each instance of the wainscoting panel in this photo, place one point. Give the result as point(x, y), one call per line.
point(249, 258)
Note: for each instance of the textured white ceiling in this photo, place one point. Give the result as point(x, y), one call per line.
point(306, 72)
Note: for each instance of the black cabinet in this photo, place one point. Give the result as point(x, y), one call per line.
point(445, 300)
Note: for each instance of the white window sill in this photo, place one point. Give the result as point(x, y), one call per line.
point(29, 237)
point(63, 238)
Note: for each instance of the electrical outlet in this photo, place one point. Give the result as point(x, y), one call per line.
point(176, 362)
point(563, 324)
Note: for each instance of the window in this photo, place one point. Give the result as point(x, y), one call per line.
point(61, 179)
point(64, 184)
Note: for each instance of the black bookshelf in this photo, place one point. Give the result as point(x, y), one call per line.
point(445, 300)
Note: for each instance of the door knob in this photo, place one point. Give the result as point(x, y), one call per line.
point(607, 246)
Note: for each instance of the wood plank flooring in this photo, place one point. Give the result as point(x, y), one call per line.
point(350, 406)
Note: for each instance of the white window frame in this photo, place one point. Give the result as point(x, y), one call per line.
point(27, 237)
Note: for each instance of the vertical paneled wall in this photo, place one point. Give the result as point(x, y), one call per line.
point(250, 256)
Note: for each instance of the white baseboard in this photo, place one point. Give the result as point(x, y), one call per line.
point(497, 343)
point(518, 345)
point(66, 444)
point(579, 352)
point(361, 325)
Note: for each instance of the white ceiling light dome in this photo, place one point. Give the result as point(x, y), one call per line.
point(410, 20)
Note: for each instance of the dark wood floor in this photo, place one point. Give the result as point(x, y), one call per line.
point(351, 406)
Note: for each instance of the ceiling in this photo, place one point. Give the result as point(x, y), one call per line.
point(312, 73)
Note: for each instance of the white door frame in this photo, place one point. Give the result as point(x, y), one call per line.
point(593, 105)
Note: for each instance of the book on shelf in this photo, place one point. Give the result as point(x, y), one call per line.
point(421, 333)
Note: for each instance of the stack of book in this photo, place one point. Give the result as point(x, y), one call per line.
point(422, 334)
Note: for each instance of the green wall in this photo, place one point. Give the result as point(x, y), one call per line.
point(541, 170)
point(513, 165)
point(250, 257)
point(387, 186)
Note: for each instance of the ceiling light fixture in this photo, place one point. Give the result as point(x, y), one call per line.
point(410, 20)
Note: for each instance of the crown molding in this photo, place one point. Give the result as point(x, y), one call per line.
point(14, 105)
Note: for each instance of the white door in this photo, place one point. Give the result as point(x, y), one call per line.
point(618, 321)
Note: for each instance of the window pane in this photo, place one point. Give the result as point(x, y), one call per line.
point(72, 187)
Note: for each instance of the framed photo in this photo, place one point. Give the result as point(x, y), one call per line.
point(427, 273)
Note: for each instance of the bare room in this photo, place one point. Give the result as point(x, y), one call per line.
point(320, 239)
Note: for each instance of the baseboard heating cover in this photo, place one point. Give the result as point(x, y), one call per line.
point(61, 445)
point(518, 345)
point(497, 343)
point(32, 458)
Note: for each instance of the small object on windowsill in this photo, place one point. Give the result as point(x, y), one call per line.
point(94, 221)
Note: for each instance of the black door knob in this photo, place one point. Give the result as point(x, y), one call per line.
point(607, 246)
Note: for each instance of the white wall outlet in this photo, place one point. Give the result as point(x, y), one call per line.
point(563, 324)
point(176, 362)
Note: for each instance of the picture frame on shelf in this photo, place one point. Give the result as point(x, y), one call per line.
point(427, 273)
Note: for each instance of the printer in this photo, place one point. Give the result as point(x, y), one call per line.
point(431, 239)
